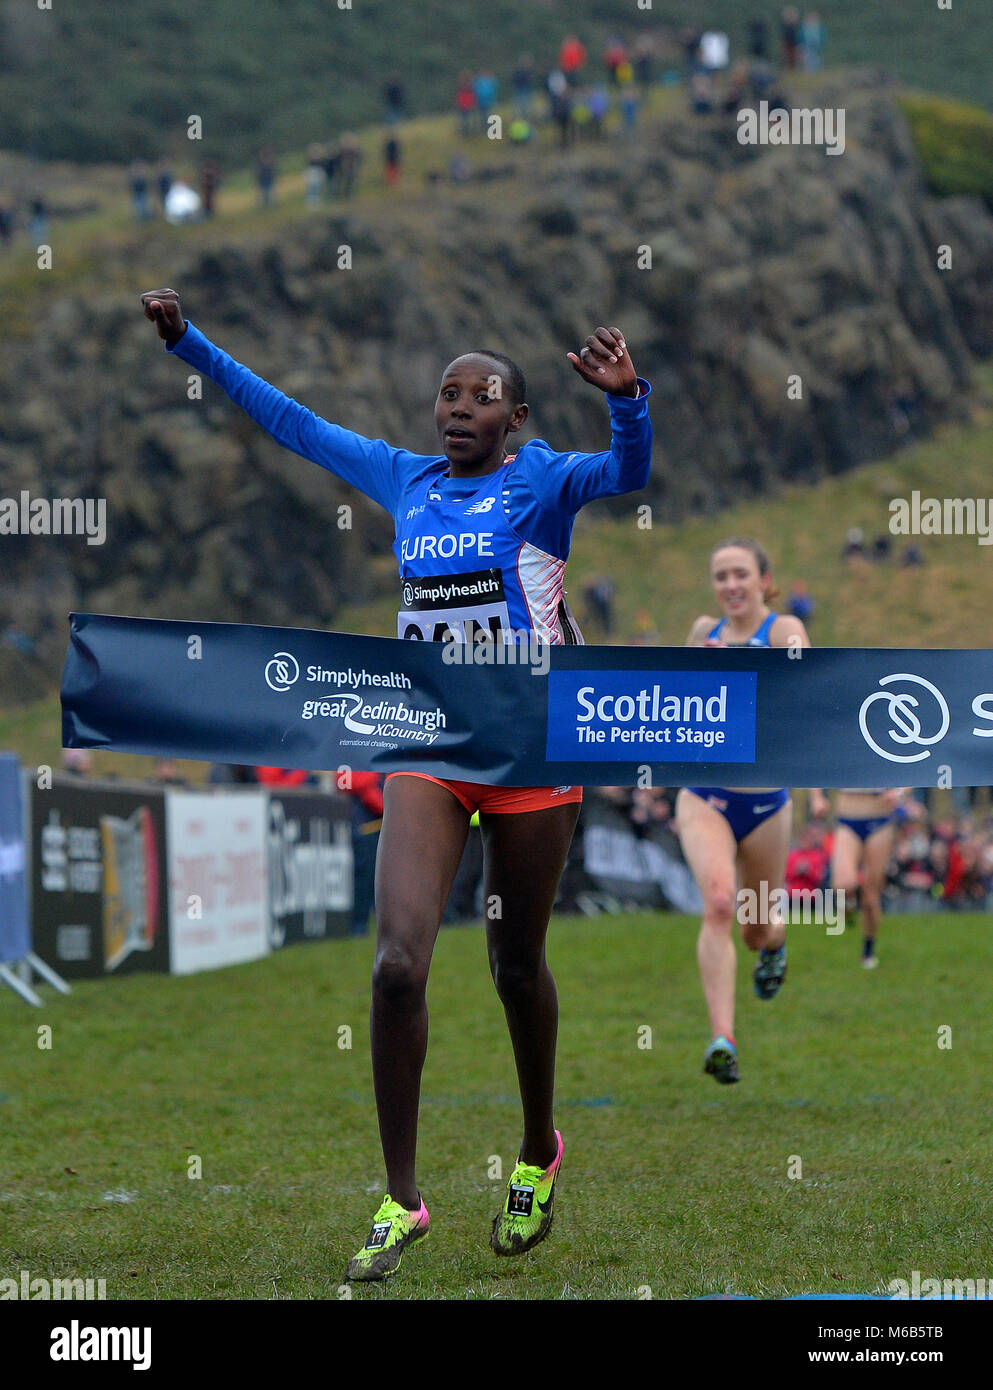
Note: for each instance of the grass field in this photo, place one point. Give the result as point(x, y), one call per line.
point(669, 1181)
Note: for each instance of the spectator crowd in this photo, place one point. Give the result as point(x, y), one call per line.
point(578, 94)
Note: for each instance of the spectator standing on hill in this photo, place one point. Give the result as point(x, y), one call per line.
point(614, 54)
point(854, 543)
point(690, 37)
point(599, 596)
point(789, 33)
point(6, 224)
point(210, 178)
point(485, 88)
point(598, 105)
point(701, 93)
point(555, 86)
point(523, 82)
point(163, 179)
point(38, 226)
point(349, 163)
point(572, 59)
point(332, 170)
point(465, 103)
point(758, 38)
point(182, 203)
point(630, 101)
point(265, 174)
point(644, 62)
point(760, 79)
point(391, 160)
point(715, 51)
point(314, 176)
point(395, 99)
point(562, 115)
point(882, 548)
point(737, 88)
point(138, 181)
point(812, 42)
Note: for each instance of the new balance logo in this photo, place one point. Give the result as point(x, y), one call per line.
point(484, 505)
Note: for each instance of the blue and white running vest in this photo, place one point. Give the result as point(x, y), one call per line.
point(464, 570)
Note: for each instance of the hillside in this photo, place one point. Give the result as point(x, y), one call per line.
point(75, 85)
point(766, 262)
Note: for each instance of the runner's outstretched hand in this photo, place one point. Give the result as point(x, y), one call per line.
point(605, 362)
point(162, 307)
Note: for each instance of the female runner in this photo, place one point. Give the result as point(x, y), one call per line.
point(739, 837)
point(863, 843)
point(510, 520)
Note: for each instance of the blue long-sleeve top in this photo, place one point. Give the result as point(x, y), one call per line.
point(545, 489)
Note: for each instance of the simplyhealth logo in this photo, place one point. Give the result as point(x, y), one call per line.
point(651, 716)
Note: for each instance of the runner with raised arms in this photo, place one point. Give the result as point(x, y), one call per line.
point(482, 539)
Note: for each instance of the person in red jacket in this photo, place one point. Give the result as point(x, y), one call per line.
point(572, 58)
point(282, 776)
point(807, 865)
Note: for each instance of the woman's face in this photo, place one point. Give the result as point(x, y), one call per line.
point(736, 579)
point(474, 411)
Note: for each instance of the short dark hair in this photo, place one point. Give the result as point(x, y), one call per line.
point(516, 382)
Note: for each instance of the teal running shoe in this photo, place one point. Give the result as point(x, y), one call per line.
point(721, 1061)
point(770, 972)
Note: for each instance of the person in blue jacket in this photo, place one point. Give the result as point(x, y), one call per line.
point(482, 539)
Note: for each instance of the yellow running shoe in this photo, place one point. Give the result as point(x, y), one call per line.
point(393, 1229)
point(526, 1217)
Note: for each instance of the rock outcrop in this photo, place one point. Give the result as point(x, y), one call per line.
point(766, 264)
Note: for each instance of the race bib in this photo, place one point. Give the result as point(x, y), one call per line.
point(468, 606)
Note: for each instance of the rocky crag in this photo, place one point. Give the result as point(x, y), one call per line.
point(766, 263)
